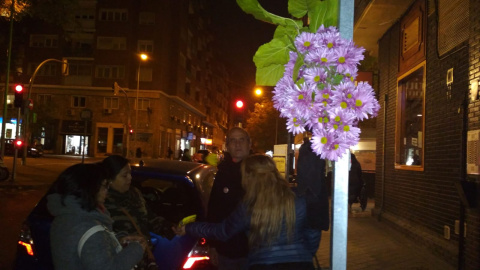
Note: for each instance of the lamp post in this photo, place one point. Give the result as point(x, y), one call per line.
point(143, 57)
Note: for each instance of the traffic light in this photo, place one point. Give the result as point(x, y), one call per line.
point(18, 95)
point(239, 104)
point(18, 143)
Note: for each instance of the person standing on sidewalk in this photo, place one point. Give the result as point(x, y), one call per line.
point(226, 194)
point(312, 184)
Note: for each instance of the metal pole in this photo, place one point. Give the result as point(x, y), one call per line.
point(136, 111)
point(84, 136)
point(27, 116)
point(7, 78)
point(14, 168)
point(338, 242)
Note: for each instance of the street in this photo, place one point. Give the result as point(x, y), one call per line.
point(18, 198)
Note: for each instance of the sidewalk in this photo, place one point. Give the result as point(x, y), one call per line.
point(372, 244)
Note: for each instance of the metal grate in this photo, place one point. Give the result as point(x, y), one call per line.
point(473, 148)
point(453, 24)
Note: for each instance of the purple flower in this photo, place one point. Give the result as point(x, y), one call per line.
point(321, 56)
point(324, 97)
point(306, 42)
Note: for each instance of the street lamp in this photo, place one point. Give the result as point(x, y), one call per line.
point(143, 57)
point(258, 91)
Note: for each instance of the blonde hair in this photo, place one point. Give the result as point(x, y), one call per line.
point(269, 200)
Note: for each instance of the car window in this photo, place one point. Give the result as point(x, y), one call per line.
point(172, 201)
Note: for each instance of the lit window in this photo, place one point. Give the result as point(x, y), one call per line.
point(410, 120)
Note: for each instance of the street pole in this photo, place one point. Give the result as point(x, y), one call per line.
point(339, 232)
point(117, 88)
point(27, 112)
point(143, 57)
point(136, 112)
point(7, 77)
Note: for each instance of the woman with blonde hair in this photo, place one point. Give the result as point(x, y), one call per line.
point(271, 215)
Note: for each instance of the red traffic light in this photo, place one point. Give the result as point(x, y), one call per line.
point(18, 88)
point(239, 104)
point(18, 143)
point(18, 95)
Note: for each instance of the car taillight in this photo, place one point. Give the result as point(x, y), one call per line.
point(26, 240)
point(198, 254)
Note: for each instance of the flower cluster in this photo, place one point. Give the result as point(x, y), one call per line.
point(318, 92)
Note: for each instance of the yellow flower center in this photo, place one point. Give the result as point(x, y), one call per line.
point(358, 103)
point(324, 59)
point(330, 45)
point(335, 126)
point(335, 146)
point(316, 79)
point(343, 104)
point(294, 119)
point(307, 44)
point(324, 140)
point(349, 96)
point(325, 96)
point(300, 96)
point(325, 119)
point(348, 75)
point(337, 118)
point(346, 128)
point(320, 119)
point(295, 125)
point(324, 103)
point(341, 59)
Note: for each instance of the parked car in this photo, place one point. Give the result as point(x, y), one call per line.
point(32, 151)
point(173, 189)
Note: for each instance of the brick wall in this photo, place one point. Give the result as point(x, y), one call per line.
point(421, 203)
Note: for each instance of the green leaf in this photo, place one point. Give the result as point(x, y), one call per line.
point(274, 52)
point(298, 8)
point(322, 12)
point(254, 8)
point(269, 75)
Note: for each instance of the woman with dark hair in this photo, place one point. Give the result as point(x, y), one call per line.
point(77, 241)
point(270, 213)
point(125, 199)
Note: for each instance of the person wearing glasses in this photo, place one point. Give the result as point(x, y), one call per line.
point(76, 200)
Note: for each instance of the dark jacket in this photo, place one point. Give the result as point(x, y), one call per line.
point(280, 251)
point(311, 183)
point(355, 181)
point(226, 194)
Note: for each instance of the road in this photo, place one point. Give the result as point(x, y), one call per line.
point(18, 199)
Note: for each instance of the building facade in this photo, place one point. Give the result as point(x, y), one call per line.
point(177, 97)
point(427, 129)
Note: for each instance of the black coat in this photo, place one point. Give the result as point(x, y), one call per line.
point(226, 194)
point(312, 184)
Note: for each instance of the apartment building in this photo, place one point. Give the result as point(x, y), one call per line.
point(177, 97)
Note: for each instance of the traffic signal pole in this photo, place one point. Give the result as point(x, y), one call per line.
point(25, 129)
point(17, 133)
point(7, 77)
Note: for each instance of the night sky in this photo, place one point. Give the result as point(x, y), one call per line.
point(238, 36)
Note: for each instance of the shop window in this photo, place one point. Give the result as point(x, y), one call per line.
point(410, 124)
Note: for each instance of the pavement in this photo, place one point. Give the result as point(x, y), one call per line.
point(374, 244)
point(371, 244)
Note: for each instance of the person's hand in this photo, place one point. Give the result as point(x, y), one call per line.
point(134, 238)
point(179, 230)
